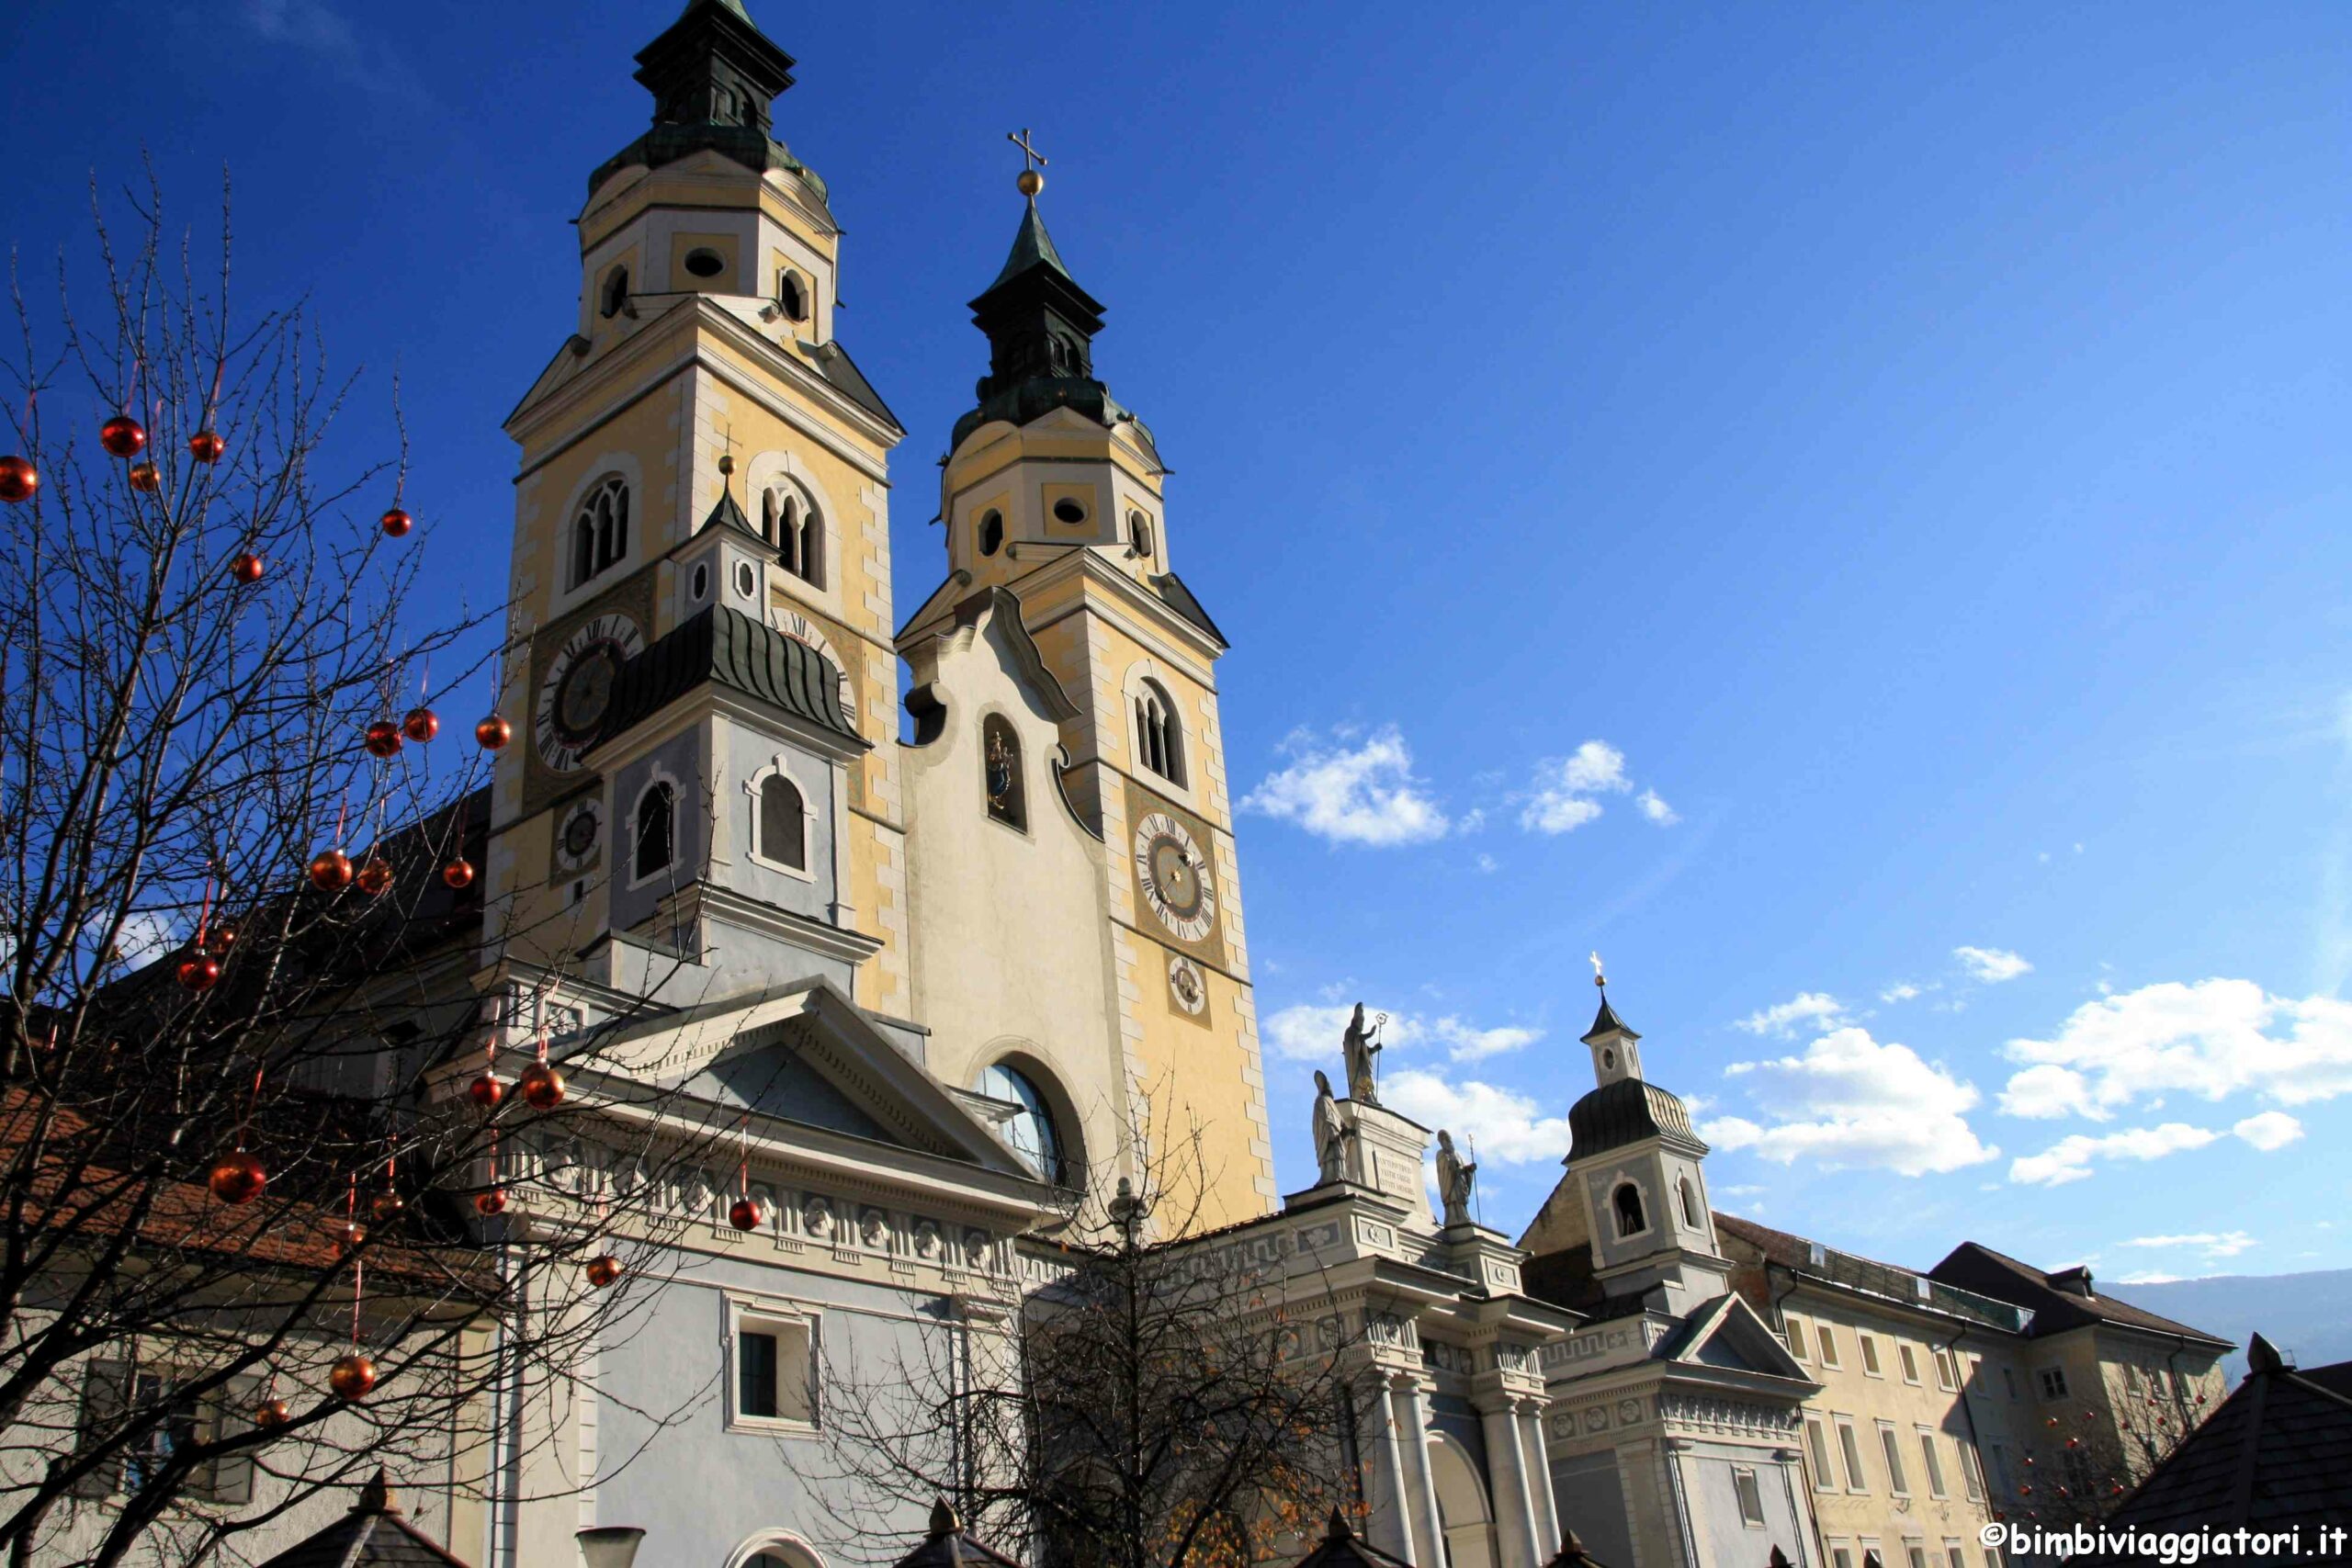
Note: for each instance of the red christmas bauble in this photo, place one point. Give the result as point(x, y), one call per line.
point(199, 972)
point(246, 567)
point(375, 876)
point(492, 733)
point(237, 1179)
point(2073, 1442)
point(146, 477)
point(383, 737)
point(542, 1087)
point(219, 939)
point(386, 1206)
point(492, 1203)
point(397, 523)
point(271, 1414)
point(458, 874)
point(421, 725)
point(205, 446)
point(122, 436)
point(331, 871)
point(18, 481)
point(744, 1215)
point(352, 1376)
point(603, 1269)
point(486, 1091)
point(350, 1234)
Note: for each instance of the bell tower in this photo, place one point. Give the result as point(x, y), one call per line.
point(1052, 493)
point(703, 481)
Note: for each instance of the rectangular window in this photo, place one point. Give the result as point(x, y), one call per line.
point(1910, 1361)
point(1947, 1371)
point(1870, 1354)
point(2180, 1385)
point(2053, 1382)
point(1795, 1336)
point(1933, 1463)
point(1893, 1452)
point(2130, 1378)
point(1826, 1338)
point(1915, 1554)
point(1751, 1498)
point(1971, 1474)
point(114, 1392)
point(1816, 1442)
point(1992, 1557)
point(774, 1350)
point(1850, 1449)
point(2009, 1380)
point(1840, 1555)
point(1953, 1557)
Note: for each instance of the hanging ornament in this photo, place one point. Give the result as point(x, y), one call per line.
point(352, 1376)
point(375, 876)
point(331, 871)
point(146, 477)
point(122, 436)
point(237, 1179)
point(2116, 1490)
point(383, 737)
point(246, 567)
point(492, 734)
point(421, 725)
point(199, 972)
point(18, 481)
point(486, 1090)
point(219, 939)
point(490, 1203)
point(745, 1214)
point(2073, 1442)
point(386, 1206)
point(2028, 1460)
point(397, 523)
point(458, 874)
point(349, 1233)
point(541, 1085)
point(272, 1413)
point(603, 1269)
point(205, 446)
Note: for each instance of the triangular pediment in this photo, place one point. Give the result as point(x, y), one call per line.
point(1726, 1334)
point(806, 1056)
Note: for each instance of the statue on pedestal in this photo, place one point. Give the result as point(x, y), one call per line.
point(1455, 1181)
point(1358, 1048)
point(1330, 1137)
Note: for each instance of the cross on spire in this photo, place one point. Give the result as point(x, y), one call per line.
point(1031, 181)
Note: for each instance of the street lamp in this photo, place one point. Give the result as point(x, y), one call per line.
point(609, 1546)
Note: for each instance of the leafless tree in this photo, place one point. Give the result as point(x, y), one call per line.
point(1185, 1402)
point(2082, 1463)
point(238, 946)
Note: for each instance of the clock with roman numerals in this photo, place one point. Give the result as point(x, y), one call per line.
point(1174, 874)
point(577, 690)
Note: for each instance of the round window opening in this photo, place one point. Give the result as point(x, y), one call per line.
point(744, 579)
point(705, 263)
point(792, 299)
point(701, 581)
point(1608, 1058)
point(991, 533)
point(1031, 1130)
point(1067, 509)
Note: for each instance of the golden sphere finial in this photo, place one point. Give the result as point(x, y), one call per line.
point(1031, 181)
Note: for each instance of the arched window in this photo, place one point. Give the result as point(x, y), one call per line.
point(1627, 1202)
point(656, 830)
point(782, 832)
point(790, 523)
point(791, 296)
point(616, 293)
point(600, 532)
point(1031, 1131)
point(992, 532)
point(1000, 779)
point(1140, 533)
point(1690, 1206)
point(1159, 738)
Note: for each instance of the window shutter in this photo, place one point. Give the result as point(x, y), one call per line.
point(105, 1396)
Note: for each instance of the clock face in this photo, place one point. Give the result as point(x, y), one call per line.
point(1185, 984)
point(576, 841)
point(1175, 876)
point(577, 690)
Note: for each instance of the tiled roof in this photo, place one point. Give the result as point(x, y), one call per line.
point(373, 1535)
point(1889, 1282)
point(1974, 1266)
point(2276, 1453)
point(1623, 1112)
point(950, 1545)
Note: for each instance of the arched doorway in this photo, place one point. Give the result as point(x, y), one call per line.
point(1463, 1517)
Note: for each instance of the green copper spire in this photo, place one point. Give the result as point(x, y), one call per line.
point(715, 78)
point(1031, 247)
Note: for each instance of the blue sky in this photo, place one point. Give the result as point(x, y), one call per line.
point(1841, 510)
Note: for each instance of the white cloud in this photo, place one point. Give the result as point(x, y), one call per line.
point(1656, 810)
point(2225, 1244)
point(1304, 1033)
point(1807, 1010)
point(2212, 1039)
point(1488, 864)
point(2149, 1277)
point(2069, 1159)
point(1850, 1101)
point(1364, 795)
point(1901, 991)
point(1991, 964)
point(1508, 1127)
point(1562, 801)
point(1593, 767)
point(2270, 1130)
point(1551, 812)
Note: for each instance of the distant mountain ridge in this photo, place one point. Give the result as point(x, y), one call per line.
point(2309, 1316)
